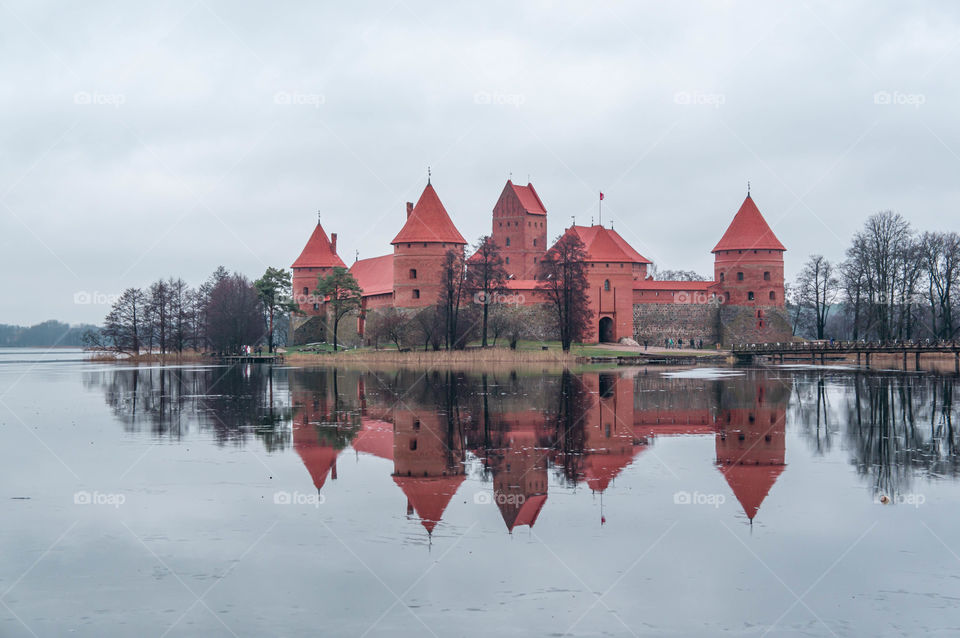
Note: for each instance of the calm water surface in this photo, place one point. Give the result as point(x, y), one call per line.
point(212, 501)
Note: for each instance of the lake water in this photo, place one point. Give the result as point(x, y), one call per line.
point(213, 501)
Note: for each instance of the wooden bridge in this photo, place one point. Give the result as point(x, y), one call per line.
point(812, 350)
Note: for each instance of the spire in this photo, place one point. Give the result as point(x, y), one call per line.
point(428, 176)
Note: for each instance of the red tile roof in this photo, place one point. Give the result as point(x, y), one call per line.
point(751, 484)
point(528, 512)
point(606, 244)
point(319, 459)
point(375, 275)
point(375, 437)
point(318, 253)
point(671, 285)
point(429, 496)
point(748, 231)
point(528, 198)
point(429, 222)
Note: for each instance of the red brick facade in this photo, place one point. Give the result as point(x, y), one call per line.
point(748, 271)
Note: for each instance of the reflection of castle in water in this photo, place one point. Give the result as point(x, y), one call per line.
point(588, 429)
point(520, 432)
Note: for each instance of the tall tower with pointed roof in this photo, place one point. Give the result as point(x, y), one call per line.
point(520, 229)
point(748, 260)
point(419, 250)
point(317, 259)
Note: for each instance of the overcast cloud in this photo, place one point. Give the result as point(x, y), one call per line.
point(143, 141)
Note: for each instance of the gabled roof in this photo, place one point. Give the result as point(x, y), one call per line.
point(375, 275)
point(318, 253)
point(429, 496)
point(528, 198)
point(429, 222)
point(751, 484)
point(748, 231)
point(606, 244)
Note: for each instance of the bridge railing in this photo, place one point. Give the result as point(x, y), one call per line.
point(847, 346)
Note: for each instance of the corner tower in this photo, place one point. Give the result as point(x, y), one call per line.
point(419, 250)
point(317, 259)
point(520, 229)
point(748, 261)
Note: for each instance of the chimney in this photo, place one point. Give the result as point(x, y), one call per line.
point(333, 242)
point(409, 208)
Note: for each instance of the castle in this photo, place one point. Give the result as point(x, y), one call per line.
point(743, 303)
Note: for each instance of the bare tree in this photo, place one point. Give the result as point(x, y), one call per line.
point(817, 290)
point(453, 286)
point(940, 255)
point(486, 278)
point(562, 277)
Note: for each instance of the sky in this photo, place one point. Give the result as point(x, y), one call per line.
point(149, 140)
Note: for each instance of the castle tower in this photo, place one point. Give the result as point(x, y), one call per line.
point(419, 250)
point(520, 229)
point(751, 440)
point(317, 259)
point(748, 261)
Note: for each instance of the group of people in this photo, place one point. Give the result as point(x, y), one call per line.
point(678, 343)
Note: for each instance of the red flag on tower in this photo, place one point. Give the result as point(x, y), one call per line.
point(601, 194)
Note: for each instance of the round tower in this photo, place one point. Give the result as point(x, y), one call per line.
point(419, 251)
point(748, 261)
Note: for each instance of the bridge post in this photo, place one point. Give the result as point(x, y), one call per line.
point(904, 360)
point(781, 357)
point(956, 362)
point(858, 357)
point(917, 366)
point(867, 354)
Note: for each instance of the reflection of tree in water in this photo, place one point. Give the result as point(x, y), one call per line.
point(897, 427)
point(169, 401)
point(901, 427)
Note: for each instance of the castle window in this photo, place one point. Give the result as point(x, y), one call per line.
point(413, 444)
point(306, 290)
point(534, 241)
point(721, 277)
point(773, 296)
point(739, 276)
point(316, 306)
point(726, 297)
point(416, 424)
point(508, 241)
point(759, 314)
point(413, 273)
point(409, 245)
point(416, 293)
point(760, 324)
point(508, 261)
point(766, 276)
point(754, 252)
point(424, 244)
point(750, 296)
point(606, 284)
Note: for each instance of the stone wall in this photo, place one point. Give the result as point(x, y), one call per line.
point(762, 324)
point(307, 329)
point(655, 323)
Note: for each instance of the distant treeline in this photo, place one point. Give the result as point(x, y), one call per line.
point(46, 334)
